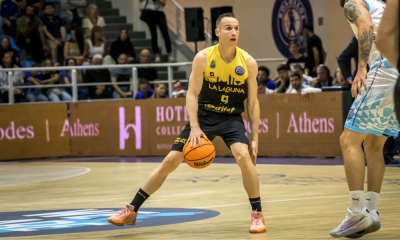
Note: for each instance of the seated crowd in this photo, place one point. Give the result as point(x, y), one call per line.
point(32, 35)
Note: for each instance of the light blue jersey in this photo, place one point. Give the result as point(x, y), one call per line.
point(373, 111)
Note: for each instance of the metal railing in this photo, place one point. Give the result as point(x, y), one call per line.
point(74, 84)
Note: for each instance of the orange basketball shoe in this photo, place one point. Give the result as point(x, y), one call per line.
point(125, 215)
point(257, 223)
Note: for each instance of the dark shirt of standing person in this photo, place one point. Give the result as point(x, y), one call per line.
point(344, 59)
point(315, 50)
point(123, 44)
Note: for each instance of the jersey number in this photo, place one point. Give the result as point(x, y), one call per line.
point(224, 99)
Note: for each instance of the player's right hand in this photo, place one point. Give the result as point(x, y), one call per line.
point(359, 80)
point(194, 137)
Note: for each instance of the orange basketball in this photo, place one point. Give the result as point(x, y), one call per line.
point(199, 156)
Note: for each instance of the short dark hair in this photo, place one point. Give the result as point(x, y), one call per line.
point(295, 74)
point(282, 67)
point(223, 16)
point(265, 69)
point(293, 42)
point(144, 81)
point(177, 81)
point(48, 4)
point(36, 65)
point(298, 66)
point(309, 27)
point(73, 59)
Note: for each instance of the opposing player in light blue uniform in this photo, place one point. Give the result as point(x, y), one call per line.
point(370, 121)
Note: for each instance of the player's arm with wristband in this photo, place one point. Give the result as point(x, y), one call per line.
point(192, 105)
point(356, 12)
point(253, 107)
point(387, 39)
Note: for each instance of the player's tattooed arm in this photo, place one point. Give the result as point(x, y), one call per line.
point(352, 11)
point(365, 44)
point(357, 12)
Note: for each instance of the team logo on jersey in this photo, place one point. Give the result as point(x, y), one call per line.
point(15, 224)
point(239, 70)
point(288, 20)
point(351, 114)
point(212, 64)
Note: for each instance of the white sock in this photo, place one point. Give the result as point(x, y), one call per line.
point(372, 199)
point(356, 201)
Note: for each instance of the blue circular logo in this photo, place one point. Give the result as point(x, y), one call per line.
point(351, 114)
point(239, 70)
point(31, 223)
point(288, 20)
point(212, 64)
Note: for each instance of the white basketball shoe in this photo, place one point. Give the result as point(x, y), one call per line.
point(353, 223)
point(373, 228)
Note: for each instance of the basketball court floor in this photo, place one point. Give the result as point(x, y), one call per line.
point(71, 198)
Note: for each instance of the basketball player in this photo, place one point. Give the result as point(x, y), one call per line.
point(370, 121)
point(223, 76)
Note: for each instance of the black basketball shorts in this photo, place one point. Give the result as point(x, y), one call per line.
point(229, 127)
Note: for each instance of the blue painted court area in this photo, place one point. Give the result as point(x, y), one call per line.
point(32, 223)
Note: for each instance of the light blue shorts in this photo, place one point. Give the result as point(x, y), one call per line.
point(373, 111)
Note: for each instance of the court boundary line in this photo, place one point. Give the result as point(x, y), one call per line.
point(54, 179)
point(285, 200)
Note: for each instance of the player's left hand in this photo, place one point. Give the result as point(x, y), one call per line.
point(254, 151)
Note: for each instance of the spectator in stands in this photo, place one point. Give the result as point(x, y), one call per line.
point(178, 92)
point(153, 15)
point(297, 58)
point(54, 29)
point(98, 76)
point(30, 35)
point(35, 78)
point(17, 78)
point(122, 75)
point(261, 86)
point(298, 87)
point(123, 44)
point(147, 73)
point(23, 4)
point(70, 13)
point(9, 11)
point(160, 91)
point(316, 52)
point(263, 75)
point(67, 76)
point(306, 79)
point(53, 78)
point(93, 19)
point(323, 77)
point(96, 44)
point(145, 91)
point(283, 82)
point(6, 47)
point(75, 46)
